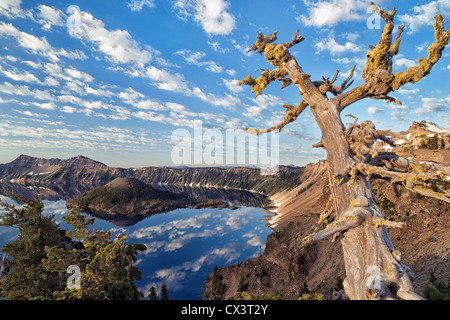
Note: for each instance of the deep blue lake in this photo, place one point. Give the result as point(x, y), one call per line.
point(183, 245)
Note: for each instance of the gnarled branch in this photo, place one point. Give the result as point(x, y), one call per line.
point(295, 40)
point(434, 51)
point(291, 115)
point(428, 180)
point(259, 84)
point(327, 86)
point(352, 218)
point(262, 41)
point(377, 73)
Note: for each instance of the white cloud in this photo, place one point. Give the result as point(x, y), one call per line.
point(217, 48)
point(255, 241)
point(68, 109)
point(26, 40)
point(45, 105)
point(223, 101)
point(56, 135)
point(38, 45)
point(117, 45)
point(75, 80)
point(166, 80)
point(11, 58)
point(6, 101)
point(422, 46)
point(423, 15)
point(31, 114)
point(268, 100)
point(242, 47)
point(138, 5)
point(83, 76)
point(49, 17)
point(335, 48)
point(212, 15)
point(359, 61)
point(253, 112)
point(351, 36)
point(25, 76)
point(130, 96)
point(195, 222)
point(97, 92)
point(374, 110)
point(398, 106)
point(176, 107)
point(432, 106)
point(11, 9)
point(8, 88)
point(176, 82)
point(49, 81)
point(398, 116)
point(213, 67)
point(408, 91)
point(402, 62)
point(33, 64)
point(329, 13)
point(195, 58)
point(136, 99)
point(232, 86)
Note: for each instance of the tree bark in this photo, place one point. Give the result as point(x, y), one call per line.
point(372, 272)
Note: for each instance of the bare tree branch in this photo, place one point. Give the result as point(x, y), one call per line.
point(262, 41)
point(295, 40)
point(426, 179)
point(291, 115)
point(327, 86)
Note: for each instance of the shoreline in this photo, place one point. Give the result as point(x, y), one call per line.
point(272, 222)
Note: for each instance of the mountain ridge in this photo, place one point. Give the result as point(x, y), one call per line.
point(64, 179)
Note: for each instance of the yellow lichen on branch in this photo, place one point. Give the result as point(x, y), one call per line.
point(434, 51)
point(291, 115)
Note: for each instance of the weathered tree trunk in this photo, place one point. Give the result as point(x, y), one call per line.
point(372, 271)
point(373, 268)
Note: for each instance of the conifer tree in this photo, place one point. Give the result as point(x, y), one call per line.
point(27, 277)
point(152, 294)
point(106, 265)
point(40, 259)
point(164, 292)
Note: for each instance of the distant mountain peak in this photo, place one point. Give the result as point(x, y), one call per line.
point(427, 126)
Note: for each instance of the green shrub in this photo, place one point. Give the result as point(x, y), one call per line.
point(438, 290)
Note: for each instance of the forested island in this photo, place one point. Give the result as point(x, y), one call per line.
point(133, 200)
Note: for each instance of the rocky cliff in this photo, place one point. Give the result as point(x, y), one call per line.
point(65, 179)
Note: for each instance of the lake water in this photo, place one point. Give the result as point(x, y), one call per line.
point(183, 245)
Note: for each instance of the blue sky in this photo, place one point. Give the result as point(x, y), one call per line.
point(112, 80)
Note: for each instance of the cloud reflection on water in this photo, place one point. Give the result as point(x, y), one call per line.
point(229, 236)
